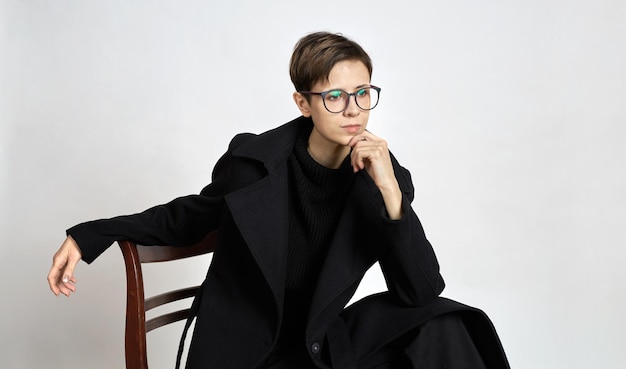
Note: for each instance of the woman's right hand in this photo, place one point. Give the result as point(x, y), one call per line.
point(61, 277)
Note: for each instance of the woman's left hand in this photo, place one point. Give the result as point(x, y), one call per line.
point(372, 154)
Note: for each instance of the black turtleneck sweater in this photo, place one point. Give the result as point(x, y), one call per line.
point(316, 199)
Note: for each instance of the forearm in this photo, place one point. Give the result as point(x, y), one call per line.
point(392, 197)
point(180, 222)
point(409, 262)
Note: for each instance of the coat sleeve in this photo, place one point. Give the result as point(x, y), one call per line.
point(181, 222)
point(407, 258)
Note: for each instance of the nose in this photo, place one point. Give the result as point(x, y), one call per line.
point(352, 109)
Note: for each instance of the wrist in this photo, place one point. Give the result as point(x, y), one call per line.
point(392, 196)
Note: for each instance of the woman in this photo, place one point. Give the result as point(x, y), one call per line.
point(303, 211)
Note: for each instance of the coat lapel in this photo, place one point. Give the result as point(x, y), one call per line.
point(260, 210)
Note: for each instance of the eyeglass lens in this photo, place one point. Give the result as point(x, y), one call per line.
point(337, 101)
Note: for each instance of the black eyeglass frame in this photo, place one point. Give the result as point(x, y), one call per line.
point(324, 93)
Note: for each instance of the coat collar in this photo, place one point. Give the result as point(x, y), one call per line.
point(274, 146)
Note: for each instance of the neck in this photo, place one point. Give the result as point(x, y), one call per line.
point(330, 157)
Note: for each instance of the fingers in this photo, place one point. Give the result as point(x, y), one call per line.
point(368, 150)
point(61, 276)
point(372, 154)
point(364, 136)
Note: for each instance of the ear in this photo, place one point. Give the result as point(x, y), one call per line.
point(302, 103)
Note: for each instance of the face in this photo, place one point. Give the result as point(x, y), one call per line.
point(333, 131)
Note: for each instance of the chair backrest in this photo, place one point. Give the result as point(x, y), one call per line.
point(136, 302)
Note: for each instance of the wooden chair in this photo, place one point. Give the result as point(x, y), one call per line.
point(137, 304)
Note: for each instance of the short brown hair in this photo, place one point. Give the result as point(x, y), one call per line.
point(317, 53)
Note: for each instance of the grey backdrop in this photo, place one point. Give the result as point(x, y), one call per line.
point(509, 114)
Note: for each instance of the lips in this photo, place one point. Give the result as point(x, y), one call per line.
point(352, 128)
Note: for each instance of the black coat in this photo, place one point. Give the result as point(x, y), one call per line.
point(240, 312)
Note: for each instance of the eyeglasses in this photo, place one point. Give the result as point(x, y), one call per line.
point(336, 101)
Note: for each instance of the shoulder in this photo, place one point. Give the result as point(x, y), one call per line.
point(270, 147)
point(251, 156)
point(240, 139)
point(279, 133)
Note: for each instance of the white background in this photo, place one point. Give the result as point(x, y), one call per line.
point(510, 115)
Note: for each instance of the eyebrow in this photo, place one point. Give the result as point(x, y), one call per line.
point(356, 88)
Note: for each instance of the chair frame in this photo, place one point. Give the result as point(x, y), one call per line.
point(136, 302)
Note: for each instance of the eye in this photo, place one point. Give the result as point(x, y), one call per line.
point(334, 95)
point(363, 92)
